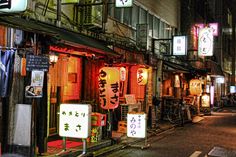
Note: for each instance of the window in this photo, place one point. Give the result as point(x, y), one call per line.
point(118, 14)
point(110, 8)
point(161, 30)
point(150, 24)
point(143, 16)
point(156, 23)
point(135, 15)
point(127, 16)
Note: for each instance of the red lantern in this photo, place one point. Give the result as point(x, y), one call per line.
point(142, 76)
point(109, 78)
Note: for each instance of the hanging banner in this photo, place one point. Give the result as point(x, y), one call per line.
point(75, 120)
point(6, 71)
point(205, 42)
point(142, 76)
point(109, 78)
point(136, 125)
point(195, 87)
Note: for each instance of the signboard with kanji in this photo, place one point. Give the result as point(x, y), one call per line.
point(205, 42)
point(142, 76)
point(75, 120)
point(136, 125)
point(109, 79)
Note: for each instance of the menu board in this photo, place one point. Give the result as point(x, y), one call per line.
point(136, 125)
point(34, 62)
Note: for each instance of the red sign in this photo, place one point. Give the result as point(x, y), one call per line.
point(109, 78)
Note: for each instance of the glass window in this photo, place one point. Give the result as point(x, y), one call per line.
point(143, 16)
point(110, 8)
point(161, 30)
point(118, 14)
point(127, 16)
point(150, 24)
point(135, 15)
point(156, 22)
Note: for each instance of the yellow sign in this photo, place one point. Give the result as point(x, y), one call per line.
point(142, 76)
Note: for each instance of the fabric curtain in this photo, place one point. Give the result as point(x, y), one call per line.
point(6, 71)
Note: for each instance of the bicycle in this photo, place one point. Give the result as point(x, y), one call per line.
point(175, 114)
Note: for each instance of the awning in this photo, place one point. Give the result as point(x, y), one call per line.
point(215, 69)
point(174, 67)
point(64, 36)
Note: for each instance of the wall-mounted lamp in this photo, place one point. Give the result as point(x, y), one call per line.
point(53, 58)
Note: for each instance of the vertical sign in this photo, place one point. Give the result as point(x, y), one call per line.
point(136, 125)
point(142, 36)
point(179, 45)
point(75, 120)
point(109, 79)
point(124, 3)
point(205, 42)
point(195, 87)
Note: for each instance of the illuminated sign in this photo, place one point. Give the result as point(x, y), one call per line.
point(205, 42)
point(214, 27)
point(142, 76)
point(205, 100)
point(195, 87)
point(109, 78)
point(15, 6)
point(136, 125)
point(75, 120)
point(220, 80)
point(124, 3)
point(179, 45)
point(232, 89)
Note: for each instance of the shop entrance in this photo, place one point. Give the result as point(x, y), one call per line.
point(64, 86)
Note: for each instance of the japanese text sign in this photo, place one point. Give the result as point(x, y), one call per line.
point(75, 120)
point(205, 42)
point(109, 79)
point(124, 3)
point(136, 125)
point(179, 45)
point(142, 76)
point(195, 87)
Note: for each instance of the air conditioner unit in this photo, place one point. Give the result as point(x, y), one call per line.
point(92, 13)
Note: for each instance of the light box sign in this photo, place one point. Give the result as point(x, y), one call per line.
point(15, 6)
point(124, 3)
point(232, 89)
point(179, 45)
point(214, 27)
point(109, 79)
point(205, 42)
point(205, 100)
point(75, 120)
point(136, 125)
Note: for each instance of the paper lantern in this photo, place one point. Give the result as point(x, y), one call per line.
point(122, 74)
point(195, 87)
point(142, 76)
point(109, 78)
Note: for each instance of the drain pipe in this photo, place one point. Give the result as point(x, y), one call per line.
point(59, 13)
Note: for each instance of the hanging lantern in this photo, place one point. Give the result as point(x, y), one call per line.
point(195, 87)
point(109, 78)
point(142, 76)
point(122, 74)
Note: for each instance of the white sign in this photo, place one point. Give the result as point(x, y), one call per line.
point(220, 80)
point(16, 6)
point(136, 125)
point(124, 3)
point(75, 120)
point(205, 42)
point(179, 45)
point(232, 89)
